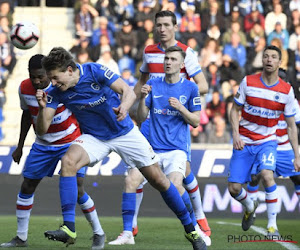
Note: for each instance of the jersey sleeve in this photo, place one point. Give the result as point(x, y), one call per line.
point(103, 75)
point(240, 96)
point(23, 103)
point(194, 101)
point(297, 116)
point(52, 99)
point(144, 66)
point(290, 109)
point(191, 63)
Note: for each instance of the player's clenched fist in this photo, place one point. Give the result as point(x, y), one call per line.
point(41, 97)
point(145, 90)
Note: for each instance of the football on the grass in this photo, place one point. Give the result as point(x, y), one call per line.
point(24, 35)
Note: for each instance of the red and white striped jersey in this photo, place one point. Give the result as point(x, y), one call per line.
point(153, 61)
point(281, 132)
point(262, 107)
point(64, 127)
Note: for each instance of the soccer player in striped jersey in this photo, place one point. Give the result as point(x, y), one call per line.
point(261, 98)
point(284, 164)
point(44, 155)
point(152, 67)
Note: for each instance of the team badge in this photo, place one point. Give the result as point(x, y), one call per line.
point(277, 97)
point(182, 99)
point(95, 86)
point(49, 98)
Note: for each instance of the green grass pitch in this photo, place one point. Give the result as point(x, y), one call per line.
point(154, 233)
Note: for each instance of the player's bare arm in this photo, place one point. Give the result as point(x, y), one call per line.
point(45, 114)
point(293, 137)
point(128, 98)
point(192, 118)
point(143, 110)
point(25, 126)
point(201, 82)
point(234, 120)
point(142, 81)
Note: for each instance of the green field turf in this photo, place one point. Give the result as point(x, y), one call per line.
point(154, 233)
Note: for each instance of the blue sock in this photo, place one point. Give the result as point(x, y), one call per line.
point(25, 196)
point(83, 198)
point(187, 201)
point(128, 209)
point(187, 180)
point(68, 197)
point(174, 201)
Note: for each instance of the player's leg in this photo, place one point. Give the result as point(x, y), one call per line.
point(296, 180)
point(132, 181)
point(252, 187)
point(88, 208)
point(191, 185)
point(267, 156)
point(239, 175)
point(139, 199)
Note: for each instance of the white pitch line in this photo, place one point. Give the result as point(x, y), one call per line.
point(262, 231)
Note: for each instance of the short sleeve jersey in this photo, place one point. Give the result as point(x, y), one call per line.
point(92, 100)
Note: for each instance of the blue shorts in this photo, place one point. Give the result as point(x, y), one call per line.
point(262, 156)
point(285, 164)
point(42, 161)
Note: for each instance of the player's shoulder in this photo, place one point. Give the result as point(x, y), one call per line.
point(189, 84)
point(26, 87)
point(153, 48)
point(183, 46)
point(155, 81)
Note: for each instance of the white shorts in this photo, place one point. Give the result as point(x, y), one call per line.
point(173, 161)
point(133, 148)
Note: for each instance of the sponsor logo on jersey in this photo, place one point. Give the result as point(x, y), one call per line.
point(166, 112)
point(101, 100)
point(255, 111)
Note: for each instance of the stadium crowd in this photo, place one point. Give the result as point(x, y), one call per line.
point(228, 36)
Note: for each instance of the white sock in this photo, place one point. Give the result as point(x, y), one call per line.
point(245, 200)
point(23, 210)
point(139, 198)
point(272, 208)
point(91, 215)
point(252, 192)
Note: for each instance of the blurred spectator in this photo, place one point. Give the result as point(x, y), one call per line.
point(84, 20)
point(214, 32)
point(281, 34)
point(145, 11)
point(4, 25)
point(102, 29)
point(273, 17)
point(254, 57)
point(139, 57)
point(192, 32)
point(253, 18)
point(146, 32)
point(82, 43)
point(126, 61)
point(236, 50)
point(107, 8)
point(213, 78)
point(83, 56)
point(235, 28)
point(103, 44)
point(192, 43)
point(5, 10)
point(295, 21)
point(234, 17)
point(212, 17)
point(215, 106)
point(294, 5)
point(124, 10)
point(231, 74)
point(7, 56)
point(2, 101)
point(190, 17)
point(293, 41)
point(284, 54)
point(255, 34)
point(171, 6)
point(126, 36)
point(128, 77)
point(270, 5)
point(107, 60)
point(211, 53)
point(246, 6)
point(296, 83)
point(218, 134)
point(198, 134)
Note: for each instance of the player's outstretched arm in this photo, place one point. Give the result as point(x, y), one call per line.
point(234, 120)
point(143, 110)
point(25, 126)
point(128, 98)
point(293, 137)
point(45, 114)
point(201, 82)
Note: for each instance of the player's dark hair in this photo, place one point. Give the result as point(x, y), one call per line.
point(272, 47)
point(176, 49)
point(166, 13)
point(58, 59)
point(35, 62)
point(282, 74)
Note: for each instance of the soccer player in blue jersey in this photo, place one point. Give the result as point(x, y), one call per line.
point(91, 91)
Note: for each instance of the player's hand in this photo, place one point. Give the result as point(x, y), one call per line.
point(17, 154)
point(238, 143)
point(297, 164)
point(145, 90)
point(175, 103)
point(41, 97)
point(120, 112)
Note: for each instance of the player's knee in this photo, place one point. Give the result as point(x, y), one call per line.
point(234, 189)
point(161, 183)
point(131, 184)
point(68, 165)
point(267, 178)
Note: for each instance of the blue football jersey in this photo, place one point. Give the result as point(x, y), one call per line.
point(168, 130)
point(92, 100)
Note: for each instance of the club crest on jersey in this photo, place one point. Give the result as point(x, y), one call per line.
point(49, 98)
point(95, 86)
point(277, 97)
point(182, 99)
